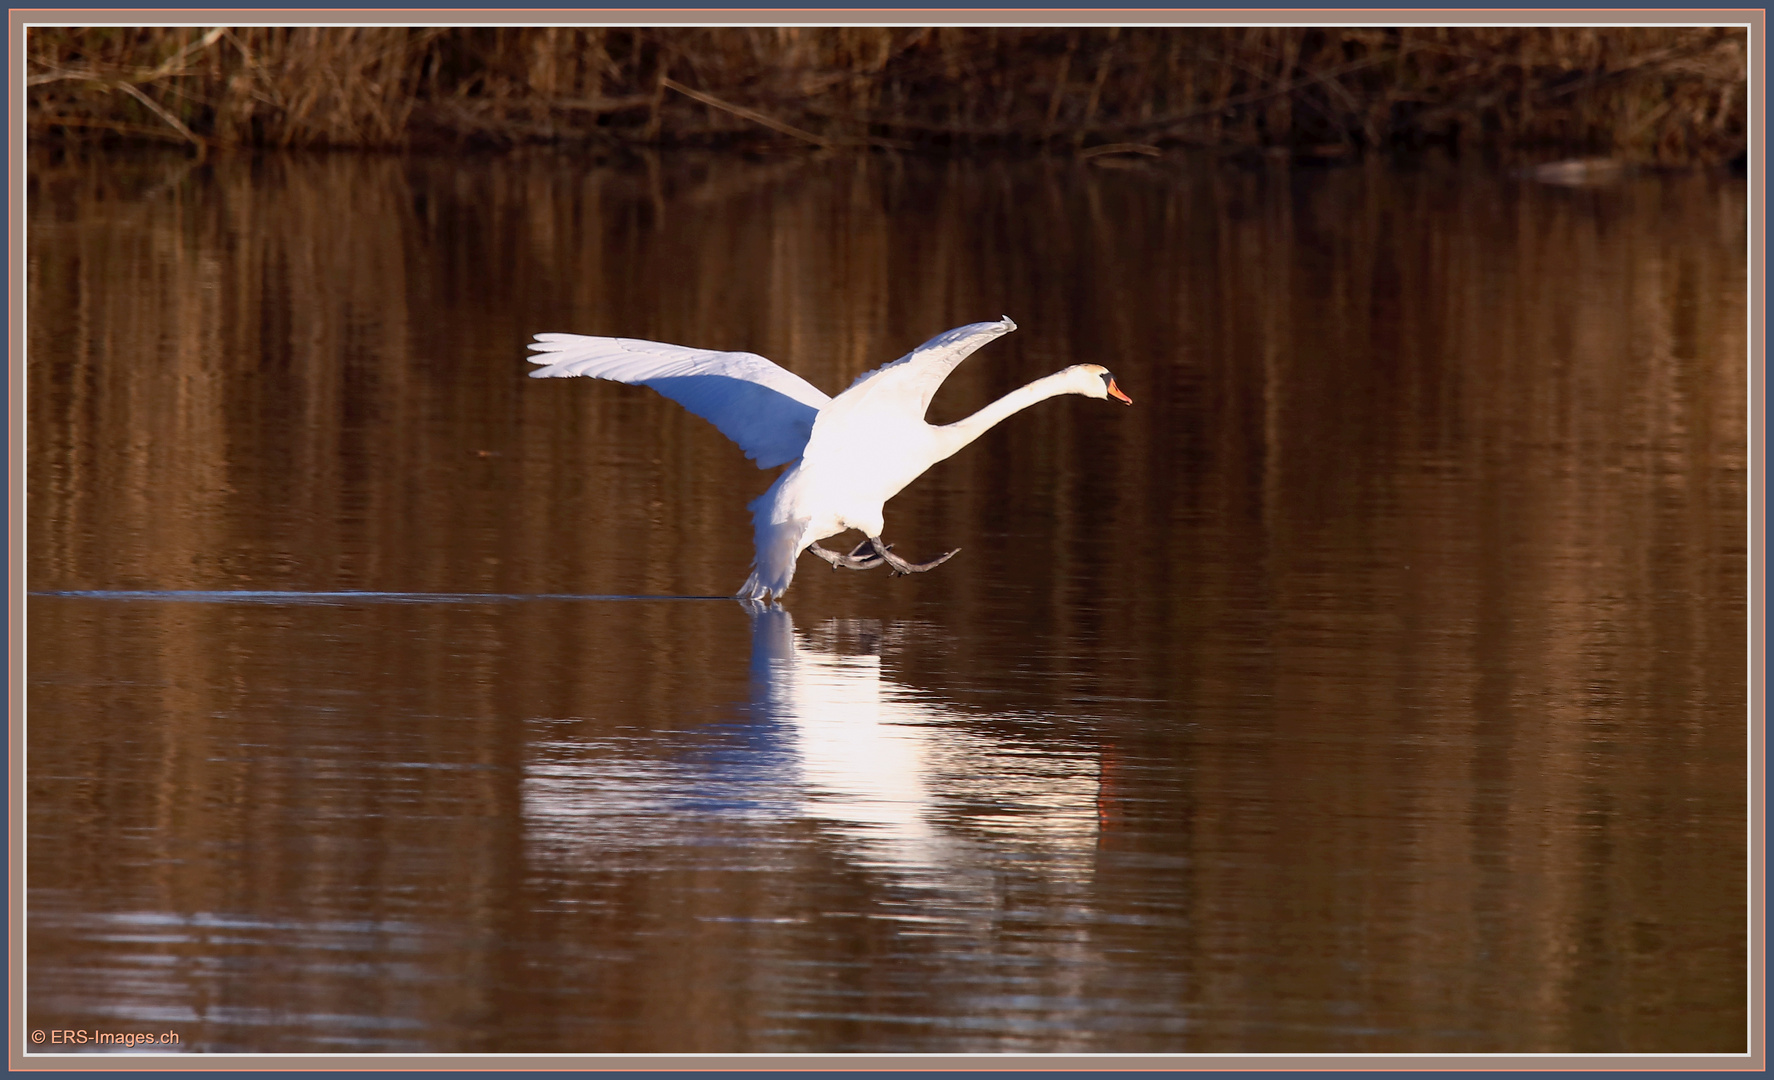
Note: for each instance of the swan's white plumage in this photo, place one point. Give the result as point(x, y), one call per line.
point(768, 410)
point(854, 451)
point(919, 373)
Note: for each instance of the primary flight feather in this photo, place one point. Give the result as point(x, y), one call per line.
point(851, 453)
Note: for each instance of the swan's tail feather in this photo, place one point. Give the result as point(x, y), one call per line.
point(753, 589)
point(773, 567)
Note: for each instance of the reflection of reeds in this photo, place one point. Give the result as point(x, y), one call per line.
point(1424, 541)
point(1672, 94)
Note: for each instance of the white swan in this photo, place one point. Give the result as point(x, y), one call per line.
point(855, 451)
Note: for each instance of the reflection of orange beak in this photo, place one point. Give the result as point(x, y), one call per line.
point(1115, 392)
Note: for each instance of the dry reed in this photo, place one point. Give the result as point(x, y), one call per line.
point(1666, 95)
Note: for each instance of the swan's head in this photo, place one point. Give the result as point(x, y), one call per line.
point(1097, 381)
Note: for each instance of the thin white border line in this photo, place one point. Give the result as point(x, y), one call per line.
point(18, 258)
point(1621, 24)
point(1061, 1055)
point(1755, 644)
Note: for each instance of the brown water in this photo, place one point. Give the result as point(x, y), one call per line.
point(1375, 684)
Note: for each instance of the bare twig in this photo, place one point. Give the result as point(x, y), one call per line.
point(177, 61)
point(59, 75)
point(169, 68)
point(158, 110)
point(1119, 148)
point(749, 114)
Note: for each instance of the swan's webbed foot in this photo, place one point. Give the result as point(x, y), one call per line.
point(861, 557)
point(900, 566)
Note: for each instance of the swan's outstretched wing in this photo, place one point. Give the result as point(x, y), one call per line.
point(768, 410)
point(915, 376)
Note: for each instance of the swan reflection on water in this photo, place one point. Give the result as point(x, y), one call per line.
point(903, 780)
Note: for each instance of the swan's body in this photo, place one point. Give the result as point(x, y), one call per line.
point(851, 453)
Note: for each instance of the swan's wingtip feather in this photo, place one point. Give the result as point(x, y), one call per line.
point(552, 343)
point(1008, 323)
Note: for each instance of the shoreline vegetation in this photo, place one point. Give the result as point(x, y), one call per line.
point(1644, 95)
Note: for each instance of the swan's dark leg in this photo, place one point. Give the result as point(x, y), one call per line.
point(899, 565)
point(856, 560)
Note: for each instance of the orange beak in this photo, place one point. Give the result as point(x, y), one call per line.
point(1115, 392)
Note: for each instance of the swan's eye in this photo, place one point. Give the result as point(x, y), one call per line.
point(1108, 378)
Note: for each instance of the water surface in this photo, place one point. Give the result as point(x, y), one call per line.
point(1375, 684)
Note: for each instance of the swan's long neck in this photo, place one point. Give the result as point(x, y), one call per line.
point(953, 437)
